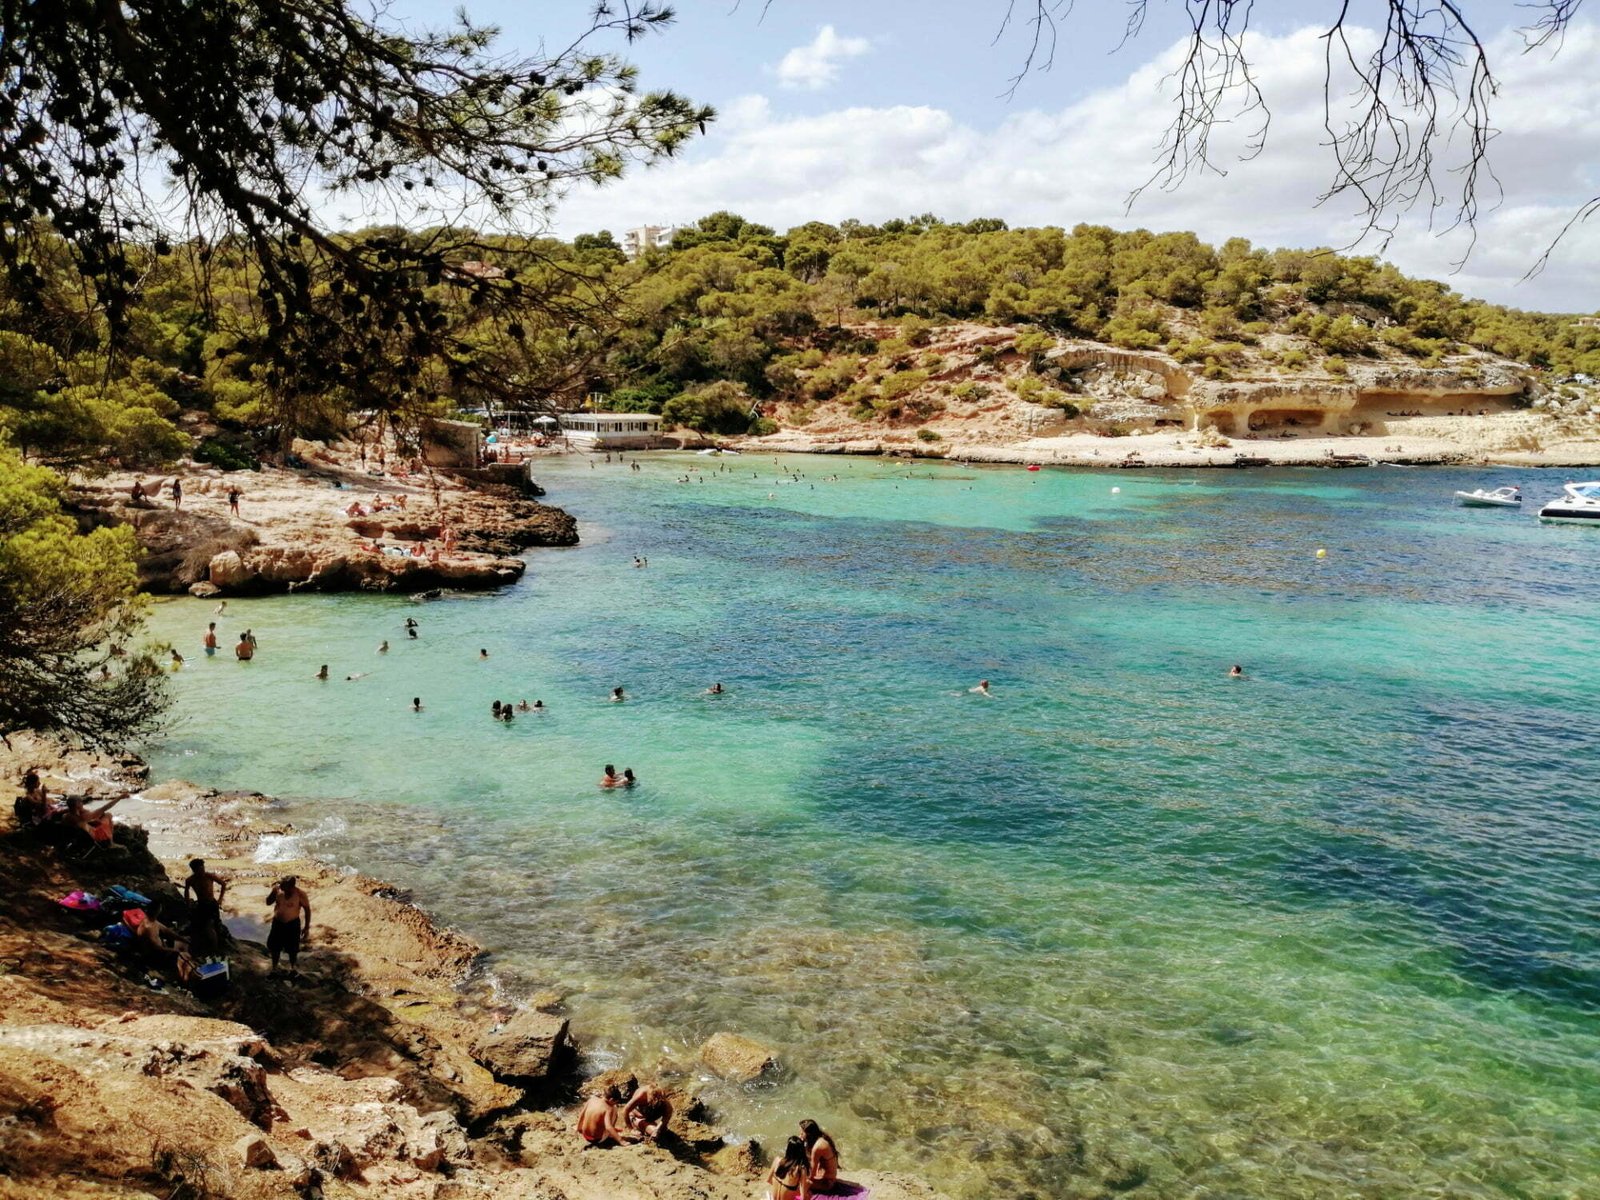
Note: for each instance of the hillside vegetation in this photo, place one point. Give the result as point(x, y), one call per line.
point(733, 319)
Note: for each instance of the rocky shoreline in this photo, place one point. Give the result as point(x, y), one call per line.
point(333, 524)
point(394, 1067)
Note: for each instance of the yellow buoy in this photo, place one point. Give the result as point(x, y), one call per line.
point(1322, 553)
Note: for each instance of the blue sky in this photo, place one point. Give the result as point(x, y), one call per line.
point(831, 110)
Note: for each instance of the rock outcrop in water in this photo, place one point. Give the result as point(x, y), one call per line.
point(298, 530)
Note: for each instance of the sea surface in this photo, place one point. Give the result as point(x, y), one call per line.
point(1126, 925)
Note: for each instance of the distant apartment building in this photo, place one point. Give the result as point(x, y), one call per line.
point(647, 237)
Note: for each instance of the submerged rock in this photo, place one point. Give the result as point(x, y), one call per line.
point(738, 1059)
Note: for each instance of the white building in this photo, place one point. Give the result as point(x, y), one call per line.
point(612, 431)
point(647, 237)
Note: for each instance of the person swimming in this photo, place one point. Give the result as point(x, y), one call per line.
point(482, 654)
point(495, 711)
point(715, 689)
point(616, 695)
point(628, 777)
point(356, 676)
point(538, 706)
point(322, 671)
point(210, 640)
point(524, 706)
point(982, 689)
point(384, 649)
point(506, 711)
point(416, 704)
point(1237, 672)
point(611, 779)
point(177, 659)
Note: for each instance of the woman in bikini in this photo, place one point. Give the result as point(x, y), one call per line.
point(822, 1155)
point(790, 1177)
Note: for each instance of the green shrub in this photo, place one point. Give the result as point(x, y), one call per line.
point(929, 435)
point(968, 390)
point(1033, 342)
point(1334, 365)
point(901, 384)
point(229, 456)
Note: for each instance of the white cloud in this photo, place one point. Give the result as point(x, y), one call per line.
point(1080, 163)
point(816, 65)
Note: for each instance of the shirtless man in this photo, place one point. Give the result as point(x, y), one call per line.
point(291, 921)
point(982, 689)
point(244, 651)
point(648, 1112)
point(209, 892)
point(611, 779)
point(210, 640)
point(600, 1119)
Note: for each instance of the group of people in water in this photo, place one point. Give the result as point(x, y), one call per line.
point(622, 1112)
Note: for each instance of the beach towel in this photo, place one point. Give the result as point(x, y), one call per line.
point(127, 896)
point(79, 901)
point(843, 1187)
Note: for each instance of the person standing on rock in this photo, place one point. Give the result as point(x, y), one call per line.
point(233, 500)
point(177, 494)
point(291, 921)
point(649, 1111)
point(205, 930)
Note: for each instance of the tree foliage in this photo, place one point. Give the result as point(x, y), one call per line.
point(127, 123)
point(66, 599)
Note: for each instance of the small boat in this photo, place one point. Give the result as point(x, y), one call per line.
point(1501, 497)
point(1580, 505)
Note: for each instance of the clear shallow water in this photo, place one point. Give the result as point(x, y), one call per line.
point(1330, 930)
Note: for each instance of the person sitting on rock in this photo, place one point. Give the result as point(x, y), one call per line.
point(649, 1111)
point(822, 1155)
point(600, 1119)
point(790, 1176)
point(94, 823)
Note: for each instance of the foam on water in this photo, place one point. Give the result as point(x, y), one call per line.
point(1326, 930)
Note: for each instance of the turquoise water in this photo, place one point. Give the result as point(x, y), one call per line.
point(1328, 930)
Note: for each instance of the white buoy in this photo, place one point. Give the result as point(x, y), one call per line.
point(1116, 491)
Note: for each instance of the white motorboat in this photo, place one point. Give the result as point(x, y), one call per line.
point(1579, 506)
point(1502, 497)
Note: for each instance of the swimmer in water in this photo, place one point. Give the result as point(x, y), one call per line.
point(177, 659)
point(221, 608)
point(356, 676)
point(628, 779)
point(416, 704)
point(616, 695)
point(496, 710)
point(506, 712)
point(322, 672)
point(384, 649)
point(611, 779)
point(982, 689)
point(1237, 672)
point(482, 654)
point(524, 706)
point(538, 706)
point(714, 690)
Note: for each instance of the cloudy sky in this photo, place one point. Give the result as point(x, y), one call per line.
point(830, 110)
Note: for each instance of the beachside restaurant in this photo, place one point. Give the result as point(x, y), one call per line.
point(612, 431)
